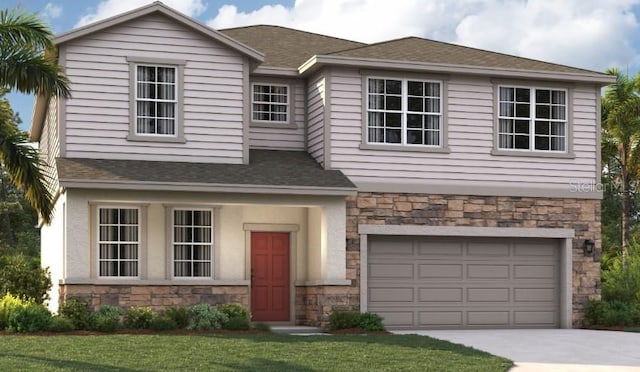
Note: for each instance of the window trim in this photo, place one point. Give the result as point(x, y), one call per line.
point(497, 151)
point(141, 239)
point(178, 136)
point(404, 77)
point(171, 242)
point(290, 122)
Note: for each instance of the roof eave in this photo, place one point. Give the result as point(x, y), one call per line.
point(207, 187)
point(276, 71)
point(161, 8)
point(317, 61)
point(38, 115)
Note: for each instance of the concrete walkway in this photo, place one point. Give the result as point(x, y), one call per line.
point(570, 350)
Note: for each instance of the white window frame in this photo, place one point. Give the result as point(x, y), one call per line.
point(175, 101)
point(138, 242)
point(287, 105)
point(404, 111)
point(211, 244)
point(532, 119)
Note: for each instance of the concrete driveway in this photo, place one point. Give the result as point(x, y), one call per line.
point(552, 349)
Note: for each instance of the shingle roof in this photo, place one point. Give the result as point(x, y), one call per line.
point(286, 47)
point(266, 168)
point(417, 49)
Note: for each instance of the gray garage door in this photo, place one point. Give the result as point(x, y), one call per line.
point(417, 282)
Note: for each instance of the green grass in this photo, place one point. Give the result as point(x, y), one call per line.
point(242, 353)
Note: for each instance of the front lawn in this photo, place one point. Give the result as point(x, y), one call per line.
point(267, 352)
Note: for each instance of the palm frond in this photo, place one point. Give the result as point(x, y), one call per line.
point(29, 71)
point(18, 27)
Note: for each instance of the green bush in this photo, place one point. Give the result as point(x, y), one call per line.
point(369, 322)
point(178, 314)
point(163, 323)
point(204, 317)
point(262, 327)
point(343, 319)
point(237, 324)
point(621, 282)
point(138, 317)
point(354, 319)
point(25, 279)
point(9, 304)
point(107, 318)
point(78, 311)
point(61, 324)
point(234, 311)
point(595, 312)
point(612, 313)
point(30, 318)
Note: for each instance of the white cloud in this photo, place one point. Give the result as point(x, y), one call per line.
point(108, 8)
point(51, 11)
point(592, 34)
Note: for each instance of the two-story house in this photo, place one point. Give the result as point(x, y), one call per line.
point(295, 173)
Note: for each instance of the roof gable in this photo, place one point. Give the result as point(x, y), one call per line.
point(158, 7)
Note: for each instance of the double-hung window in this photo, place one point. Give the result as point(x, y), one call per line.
point(156, 98)
point(118, 242)
point(404, 112)
point(270, 103)
point(192, 243)
point(532, 119)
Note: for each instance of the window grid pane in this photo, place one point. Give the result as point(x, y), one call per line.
point(532, 119)
point(270, 103)
point(118, 242)
point(192, 243)
point(404, 112)
point(156, 100)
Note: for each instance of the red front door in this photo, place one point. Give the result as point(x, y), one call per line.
point(270, 276)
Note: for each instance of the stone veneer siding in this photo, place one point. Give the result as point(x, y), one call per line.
point(158, 297)
point(583, 215)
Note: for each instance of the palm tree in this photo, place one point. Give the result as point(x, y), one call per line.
point(621, 140)
point(28, 65)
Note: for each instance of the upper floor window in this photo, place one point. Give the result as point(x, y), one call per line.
point(118, 242)
point(192, 243)
point(270, 103)
point(156, 100)
point(404, 112)
point(532, 119)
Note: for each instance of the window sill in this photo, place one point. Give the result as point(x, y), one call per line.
point(274, 125)
point(404, 148)
point(532, 154)
point(151, 138)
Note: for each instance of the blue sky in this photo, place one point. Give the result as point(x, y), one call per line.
point(592, 34)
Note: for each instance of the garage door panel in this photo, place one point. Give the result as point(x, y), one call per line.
point(478, 271)
point(488, 294)
point(534, 271)
point(391, 295)
point(440, 294)
point(440, 318)
point(535, 294)
point(440, 248)
point(464, 282)
point(388, 271)
point(439, 271)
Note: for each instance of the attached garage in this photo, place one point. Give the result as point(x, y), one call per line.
point(473, 282)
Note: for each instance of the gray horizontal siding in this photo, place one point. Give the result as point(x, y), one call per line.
point(315, 117)
point(470, 140)
point(97, 117)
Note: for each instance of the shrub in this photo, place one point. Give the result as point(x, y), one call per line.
point(107, 318)
point(61, 324)
point(30, 318)
point(595, 312)
point(163, 323)
point(612, 313)
point(24, 279)
point(234, 311)
point(237, 324)
point(9, 304)
point(138, 317)
point(204, 317)
point(78, 311)
point(621, 282)
point(178, 314)
point(369, 322)
point(354, 319)
point(343, 319)
point(262, 327)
